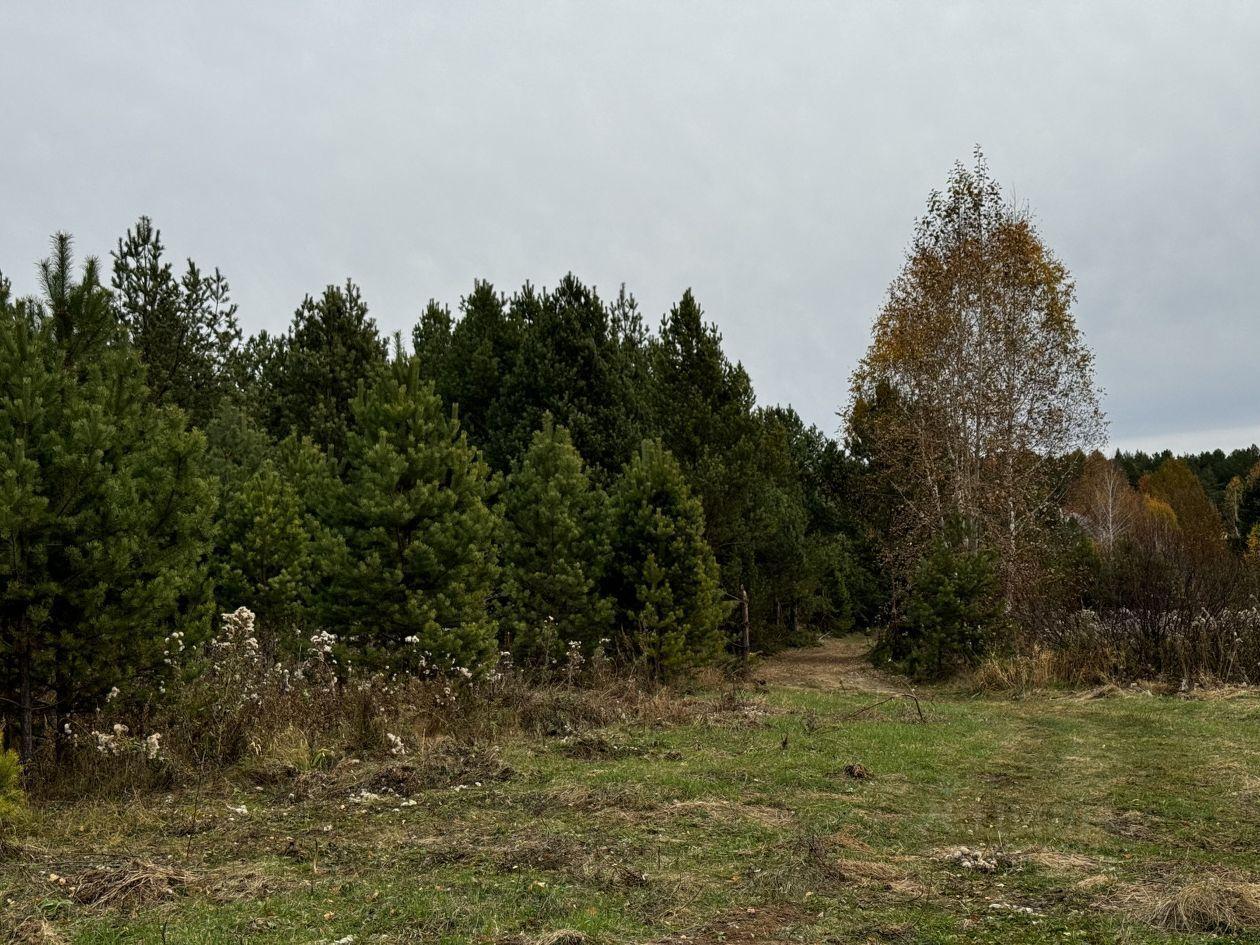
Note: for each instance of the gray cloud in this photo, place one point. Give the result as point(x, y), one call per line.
point(773, 157)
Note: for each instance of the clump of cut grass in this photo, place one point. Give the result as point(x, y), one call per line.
point(34, 929)
point(808, 862)
point(1059, 862)
point(556, 937)
point(1211, 905)
point(127, 885)
point(441, 764)
point(593, 747)
point(867, 871)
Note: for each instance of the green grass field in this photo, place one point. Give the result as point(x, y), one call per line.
point(738, 824)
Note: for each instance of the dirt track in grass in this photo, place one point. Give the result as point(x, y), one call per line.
point(836, 663)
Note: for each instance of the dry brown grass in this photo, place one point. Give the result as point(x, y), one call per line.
point(1212, 905)
point(1032, 669)
point(1058, 862)
point(723, 810)
point(33, 930)
point(561, 937)
point(778, 923)
point(1094, 883)
point(868, 871)
point(556, 937)
point(127, 885)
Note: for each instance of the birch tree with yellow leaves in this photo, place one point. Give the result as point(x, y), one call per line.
point(983, 380)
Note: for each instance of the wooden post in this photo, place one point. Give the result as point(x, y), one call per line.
point(745, 643)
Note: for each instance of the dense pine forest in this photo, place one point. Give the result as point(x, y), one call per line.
point(544, 477)
point(539, 471)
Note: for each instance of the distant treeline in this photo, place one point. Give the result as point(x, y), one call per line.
point(1215, 468)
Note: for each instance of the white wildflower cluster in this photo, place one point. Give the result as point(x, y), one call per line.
point(236, 667)
point(396, 745)
point(238, 631)
point(243, 675)
point(322, 643)
point(173, 647)
point(573, 661)
point(119, 741)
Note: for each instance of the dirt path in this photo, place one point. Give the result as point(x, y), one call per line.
point(836, 663)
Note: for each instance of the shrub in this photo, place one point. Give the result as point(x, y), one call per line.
point(11, 797)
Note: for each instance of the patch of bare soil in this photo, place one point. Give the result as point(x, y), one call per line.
point(835, 663)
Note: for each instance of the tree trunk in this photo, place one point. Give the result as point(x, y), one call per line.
point(745, 643)
point(59, 714)
point(27, 723)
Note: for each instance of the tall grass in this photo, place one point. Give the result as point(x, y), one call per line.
point(1119, 646)
point(242, 706)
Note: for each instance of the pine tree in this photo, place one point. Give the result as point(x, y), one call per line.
point(431, 341)
point(702, 403)
point(476, 363)
point(662, 575)
point(953, 611)
point(739, 463)
point(420, 561)
point(184, 329)
point(554, 549)
point(274, 552)
point(309, 377)
point(581, 361)
point(236, 444)
point(105, 510)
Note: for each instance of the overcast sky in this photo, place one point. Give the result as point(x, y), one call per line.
point(771, 156)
